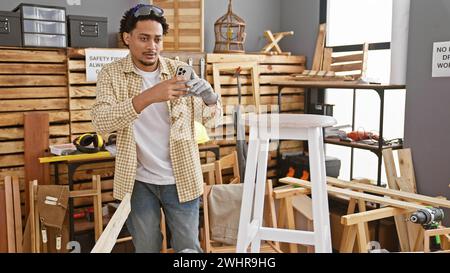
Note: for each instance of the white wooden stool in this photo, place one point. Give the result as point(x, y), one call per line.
point(264, 127)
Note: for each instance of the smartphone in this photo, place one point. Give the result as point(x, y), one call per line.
point(185, 71)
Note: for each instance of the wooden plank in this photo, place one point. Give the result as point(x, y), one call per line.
point(33, 56)
point(97, 202)
point(82, 127)
point(348, 239)
point(327, 59)
point(347, 58)
point(4, 172)
point(271, 69)
point(82, 91)
point(12, 160)
point(81, 115)
point(406, 167)
point(9, 207)
point(81, 104)
point(261, 59)
point(17, 214)
point(346, 67)
point(320, 44)
point(11, 147)
point(372, 215)
point(20, 68)
point(33, 105)
point(77, 65)
point(16, 119)
point(36, 130)
point(412, 197)
point(400, 221)
point(280, 192)
point(263, 90)
point(33, 80)
point(18, 133)
point(407, 183)
point(3, 228)
point(263, 79)
point(357, 195)
point(78, 78)
point(33, 92)
point(108, 238)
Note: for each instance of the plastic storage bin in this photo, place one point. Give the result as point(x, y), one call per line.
point(44, 40)
point(45, 27)
point(42, 12)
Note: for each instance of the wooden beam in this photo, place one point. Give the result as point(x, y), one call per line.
point(36, 142)
point(372, 215)
point(17, 213)
point(400, 220)
point(9, 206)
point(97, 202)
point(413, 197)
point(357, 195)
point(3, 226)
point(108, 238)
point(320, 44)
point(286, 192)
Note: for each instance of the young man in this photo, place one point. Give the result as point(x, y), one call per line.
point(153, 113)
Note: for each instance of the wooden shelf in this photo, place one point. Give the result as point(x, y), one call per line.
point(373, 148)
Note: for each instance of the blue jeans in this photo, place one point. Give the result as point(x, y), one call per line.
point(144, 219)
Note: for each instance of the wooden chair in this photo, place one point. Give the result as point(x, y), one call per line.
point(342, 64)
point(348, 64)
point(251, 67)
point(227, 162)
point(209, 246)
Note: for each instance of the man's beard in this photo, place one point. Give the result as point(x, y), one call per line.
point(147, 63)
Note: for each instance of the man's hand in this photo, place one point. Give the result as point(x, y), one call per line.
point(164, 91)
point(201, 88)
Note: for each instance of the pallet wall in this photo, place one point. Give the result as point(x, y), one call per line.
point(185, 18)
point(31, 80)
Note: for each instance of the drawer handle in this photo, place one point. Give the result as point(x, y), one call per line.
point(4, 26)
point(89, 30)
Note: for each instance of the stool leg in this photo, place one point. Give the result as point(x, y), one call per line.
point(247, 195)
point(319, 191)
point(261, 174)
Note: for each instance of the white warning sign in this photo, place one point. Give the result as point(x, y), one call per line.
point(441, 59)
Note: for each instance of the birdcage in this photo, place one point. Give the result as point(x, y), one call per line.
point(230, 33)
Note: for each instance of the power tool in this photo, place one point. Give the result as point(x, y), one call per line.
point(429, 218)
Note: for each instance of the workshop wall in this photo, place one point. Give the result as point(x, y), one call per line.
point(302, 17)
point(259, 15)
point(427, 126)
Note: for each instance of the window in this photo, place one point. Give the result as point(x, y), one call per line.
point(351, 23)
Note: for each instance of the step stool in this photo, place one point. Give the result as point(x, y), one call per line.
point(263, 128)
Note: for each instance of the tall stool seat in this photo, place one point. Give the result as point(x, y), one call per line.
point(263, 128)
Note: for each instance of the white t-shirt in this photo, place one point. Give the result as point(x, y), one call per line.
point(152, 132)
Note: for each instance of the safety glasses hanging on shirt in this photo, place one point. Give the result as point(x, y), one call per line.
point(143, 10)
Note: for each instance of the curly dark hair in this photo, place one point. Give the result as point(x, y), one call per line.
point(129, 21)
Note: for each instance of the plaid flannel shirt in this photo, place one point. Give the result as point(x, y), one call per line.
point(113, 110)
